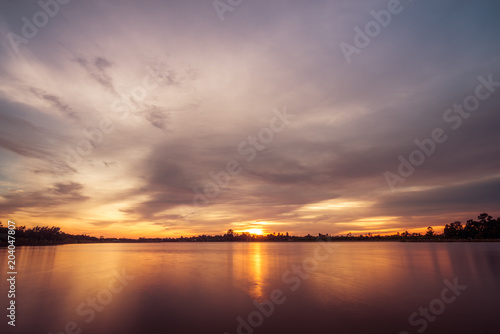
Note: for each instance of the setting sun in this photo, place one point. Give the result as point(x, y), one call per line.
point(257, 231)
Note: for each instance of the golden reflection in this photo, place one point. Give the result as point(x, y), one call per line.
point(256, 271)
point(248, 268)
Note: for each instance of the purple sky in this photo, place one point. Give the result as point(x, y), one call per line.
point(117, 118)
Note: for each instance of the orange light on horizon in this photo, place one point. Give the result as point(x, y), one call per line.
point(256, 231)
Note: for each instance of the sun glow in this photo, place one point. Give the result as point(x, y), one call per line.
point(257, 231)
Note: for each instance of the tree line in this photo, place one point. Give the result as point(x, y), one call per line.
point(484, 228)
point(43, 235)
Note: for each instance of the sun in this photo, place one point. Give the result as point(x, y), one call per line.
point(257, 231)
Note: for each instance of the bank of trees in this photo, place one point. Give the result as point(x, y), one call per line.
point(485, 227)
point(43, 235)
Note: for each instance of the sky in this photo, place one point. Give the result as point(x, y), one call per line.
point(169, 118)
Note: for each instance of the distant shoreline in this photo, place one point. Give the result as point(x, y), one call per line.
point(135, 241)
point(486, 229)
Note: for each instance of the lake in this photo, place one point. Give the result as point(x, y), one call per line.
point(317, 287)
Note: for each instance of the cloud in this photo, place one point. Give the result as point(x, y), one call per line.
point(97, 68)
point(103, 223)
point(158, 118)
point(55, 102)
point(218, 86)
point(472, 196)
point(56, 196)
point(22, 137)
point(32, 135)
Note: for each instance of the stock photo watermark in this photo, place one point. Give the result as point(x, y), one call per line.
point(249, 148)
point(223, 6)
point(436, 307)
point(292, 277)
point(373, 28)
point(454, 117)
point(121, 107)
point(31, 27)
point(97, 303)
point(11, 272)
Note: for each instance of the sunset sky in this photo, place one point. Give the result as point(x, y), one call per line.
point(117, 117)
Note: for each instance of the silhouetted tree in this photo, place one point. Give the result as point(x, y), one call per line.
point(454, 230)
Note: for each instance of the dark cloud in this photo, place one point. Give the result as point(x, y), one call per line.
point(22, 137)
point(97, 68)
point(55, 102)
point(158, 118)
point(472, 196)
point(24, 132)
point(56, 196)
point(66, 189)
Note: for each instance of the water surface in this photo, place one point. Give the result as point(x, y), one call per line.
point(351, 287)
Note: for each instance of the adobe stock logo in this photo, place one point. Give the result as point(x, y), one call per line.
point(250, 148)
point(221, 7)
point(437, 306)
point(454, 116)
point(98, 302)
point(121, 109)
point(294, 276)
point(40, 19)
point(373, 28)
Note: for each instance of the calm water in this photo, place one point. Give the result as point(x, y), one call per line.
point(205, 287)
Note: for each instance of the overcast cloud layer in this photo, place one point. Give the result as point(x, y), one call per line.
point(114, 114)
